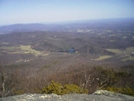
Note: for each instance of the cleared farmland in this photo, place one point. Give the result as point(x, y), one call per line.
point(102, 57)
point(22, 49)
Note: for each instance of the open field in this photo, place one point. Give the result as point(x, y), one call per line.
point(111, 40)
point(22, 49)
point(127, 58)
point(102, 58)
point(126, 53)
point(116, 51)
point(124, 37)
point(28, 49)
point(129, 50)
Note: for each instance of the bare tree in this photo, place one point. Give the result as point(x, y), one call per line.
point(3, 85)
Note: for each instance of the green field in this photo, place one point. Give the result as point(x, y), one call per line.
point(129, 50)
point(127, 53)
point(128, 58)
point(9, 48)
point(111, 40)
point(124, 37)
point(102, 57)
point(22, 49)
point(28, 49)
point(116, 51)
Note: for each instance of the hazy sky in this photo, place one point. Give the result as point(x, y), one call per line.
point(43, 11)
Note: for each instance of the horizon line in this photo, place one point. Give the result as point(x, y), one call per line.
point(64, 22)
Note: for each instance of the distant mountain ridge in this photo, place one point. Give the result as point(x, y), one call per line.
point(24, 28)
point(91, 24)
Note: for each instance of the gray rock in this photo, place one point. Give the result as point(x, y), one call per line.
point(100, 95)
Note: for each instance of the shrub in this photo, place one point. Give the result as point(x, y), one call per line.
point(105, 77)
point(57, 88)
point(71, 88)
point(18, 92)
point(123, 90)
point(54, 87)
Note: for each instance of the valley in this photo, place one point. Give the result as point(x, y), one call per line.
point(45, 54)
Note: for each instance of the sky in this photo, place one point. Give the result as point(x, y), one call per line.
point(52, 11)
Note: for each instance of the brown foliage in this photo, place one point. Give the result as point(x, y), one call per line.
point(19, 81)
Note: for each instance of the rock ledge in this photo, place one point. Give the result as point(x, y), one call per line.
point(99, 95)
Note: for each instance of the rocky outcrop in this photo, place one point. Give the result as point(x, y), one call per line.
point(100, 95)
